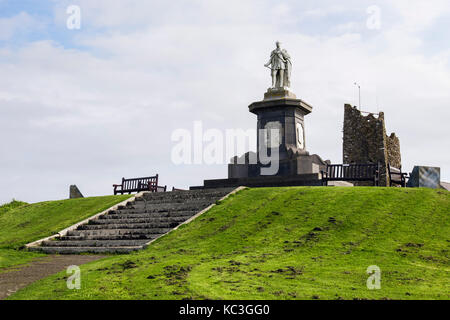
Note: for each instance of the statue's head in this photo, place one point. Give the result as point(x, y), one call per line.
point(278, 44)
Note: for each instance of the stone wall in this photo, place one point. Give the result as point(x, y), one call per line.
point(365, 141)
point(393, 149)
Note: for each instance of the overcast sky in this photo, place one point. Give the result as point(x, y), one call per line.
point(90, 106)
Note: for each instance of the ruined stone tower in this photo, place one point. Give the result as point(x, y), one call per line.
point(365, 141)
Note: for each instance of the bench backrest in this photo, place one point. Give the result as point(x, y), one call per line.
point(140, 184)
point(352, 171)
point(395, 174)
point(161, 188)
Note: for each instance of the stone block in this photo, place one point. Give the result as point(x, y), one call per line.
point(279, 93)
point(306, 164)
point(74, 192)
point(425, 177)
point(237, 170)
point(265, 181)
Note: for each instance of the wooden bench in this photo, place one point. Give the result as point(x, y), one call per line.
point(397, 176)
point(351, 172)
point(161, 189)
point(176, 189)
point(137, 185)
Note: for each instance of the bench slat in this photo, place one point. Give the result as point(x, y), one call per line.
point(351, 172)
point(137, 185)
point(397, 176)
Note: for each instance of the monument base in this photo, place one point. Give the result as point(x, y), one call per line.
point(300, 170)
point(312, 179)
point(279, 93)
point(295, 165)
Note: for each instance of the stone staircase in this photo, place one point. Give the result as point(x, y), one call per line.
point(132, 226)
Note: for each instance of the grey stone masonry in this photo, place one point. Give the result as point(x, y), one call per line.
point(75, 193)
point(425, 177)
point(282, 112)
point(365, 141)
point(132, 226)
point(312, 179)
point(289, 114)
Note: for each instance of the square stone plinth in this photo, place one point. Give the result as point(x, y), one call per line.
point(279, 93)
point(302, 164)
point(285, 105)
point(425, 177)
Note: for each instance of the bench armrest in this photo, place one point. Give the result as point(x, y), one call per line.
point(116, 186)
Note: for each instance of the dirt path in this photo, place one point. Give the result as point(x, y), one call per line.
point(17, 278)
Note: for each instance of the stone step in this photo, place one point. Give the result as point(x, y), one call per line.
point(173, 202)
point(211, 193)
point(146, 237)
point(94, 243)
point(107, 226)
point(153, 214)
point(180, 199)
point(118, 232)
point(77, 250)
point(129, 227)
point(138, 218)
point(151, 207)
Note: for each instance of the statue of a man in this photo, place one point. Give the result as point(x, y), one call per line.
point(280, 65)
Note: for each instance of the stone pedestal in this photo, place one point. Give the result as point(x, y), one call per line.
point(281, 111)
point(298, 164)
point(281, 131)
point(425, 177)
point(279, 93)
point(264, 181)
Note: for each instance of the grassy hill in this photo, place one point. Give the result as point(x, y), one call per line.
point(21, 223)
point(12, 205)
point(285, 243)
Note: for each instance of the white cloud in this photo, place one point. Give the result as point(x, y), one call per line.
point(20, 23)
point(417, 15)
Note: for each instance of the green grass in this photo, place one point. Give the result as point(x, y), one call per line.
point(12, 205)
point(285, 243)
point(10, 258)
point(21, 223)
